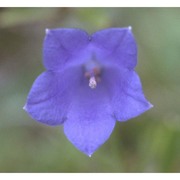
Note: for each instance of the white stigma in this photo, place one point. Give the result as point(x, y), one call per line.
point(92, 82)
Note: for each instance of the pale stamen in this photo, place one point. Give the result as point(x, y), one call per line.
point(92, 82)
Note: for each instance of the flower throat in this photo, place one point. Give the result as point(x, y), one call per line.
point(92, 73)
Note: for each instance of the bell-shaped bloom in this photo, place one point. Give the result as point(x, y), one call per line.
point(88, 85)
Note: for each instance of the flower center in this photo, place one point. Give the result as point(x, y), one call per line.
point(93, 76)
point(93, 71)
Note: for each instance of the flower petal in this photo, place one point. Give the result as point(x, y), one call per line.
point(116, 45)
point(127, 95)
point(50, 96)
point(90, 121)
point(64, 46)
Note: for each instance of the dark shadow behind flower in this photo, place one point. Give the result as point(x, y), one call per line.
point(88, 85)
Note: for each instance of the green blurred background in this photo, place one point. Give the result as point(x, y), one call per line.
point(148, 143)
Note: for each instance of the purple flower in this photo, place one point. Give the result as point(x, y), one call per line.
point(88, 85)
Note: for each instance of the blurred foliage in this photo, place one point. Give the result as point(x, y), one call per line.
point(148, 143)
